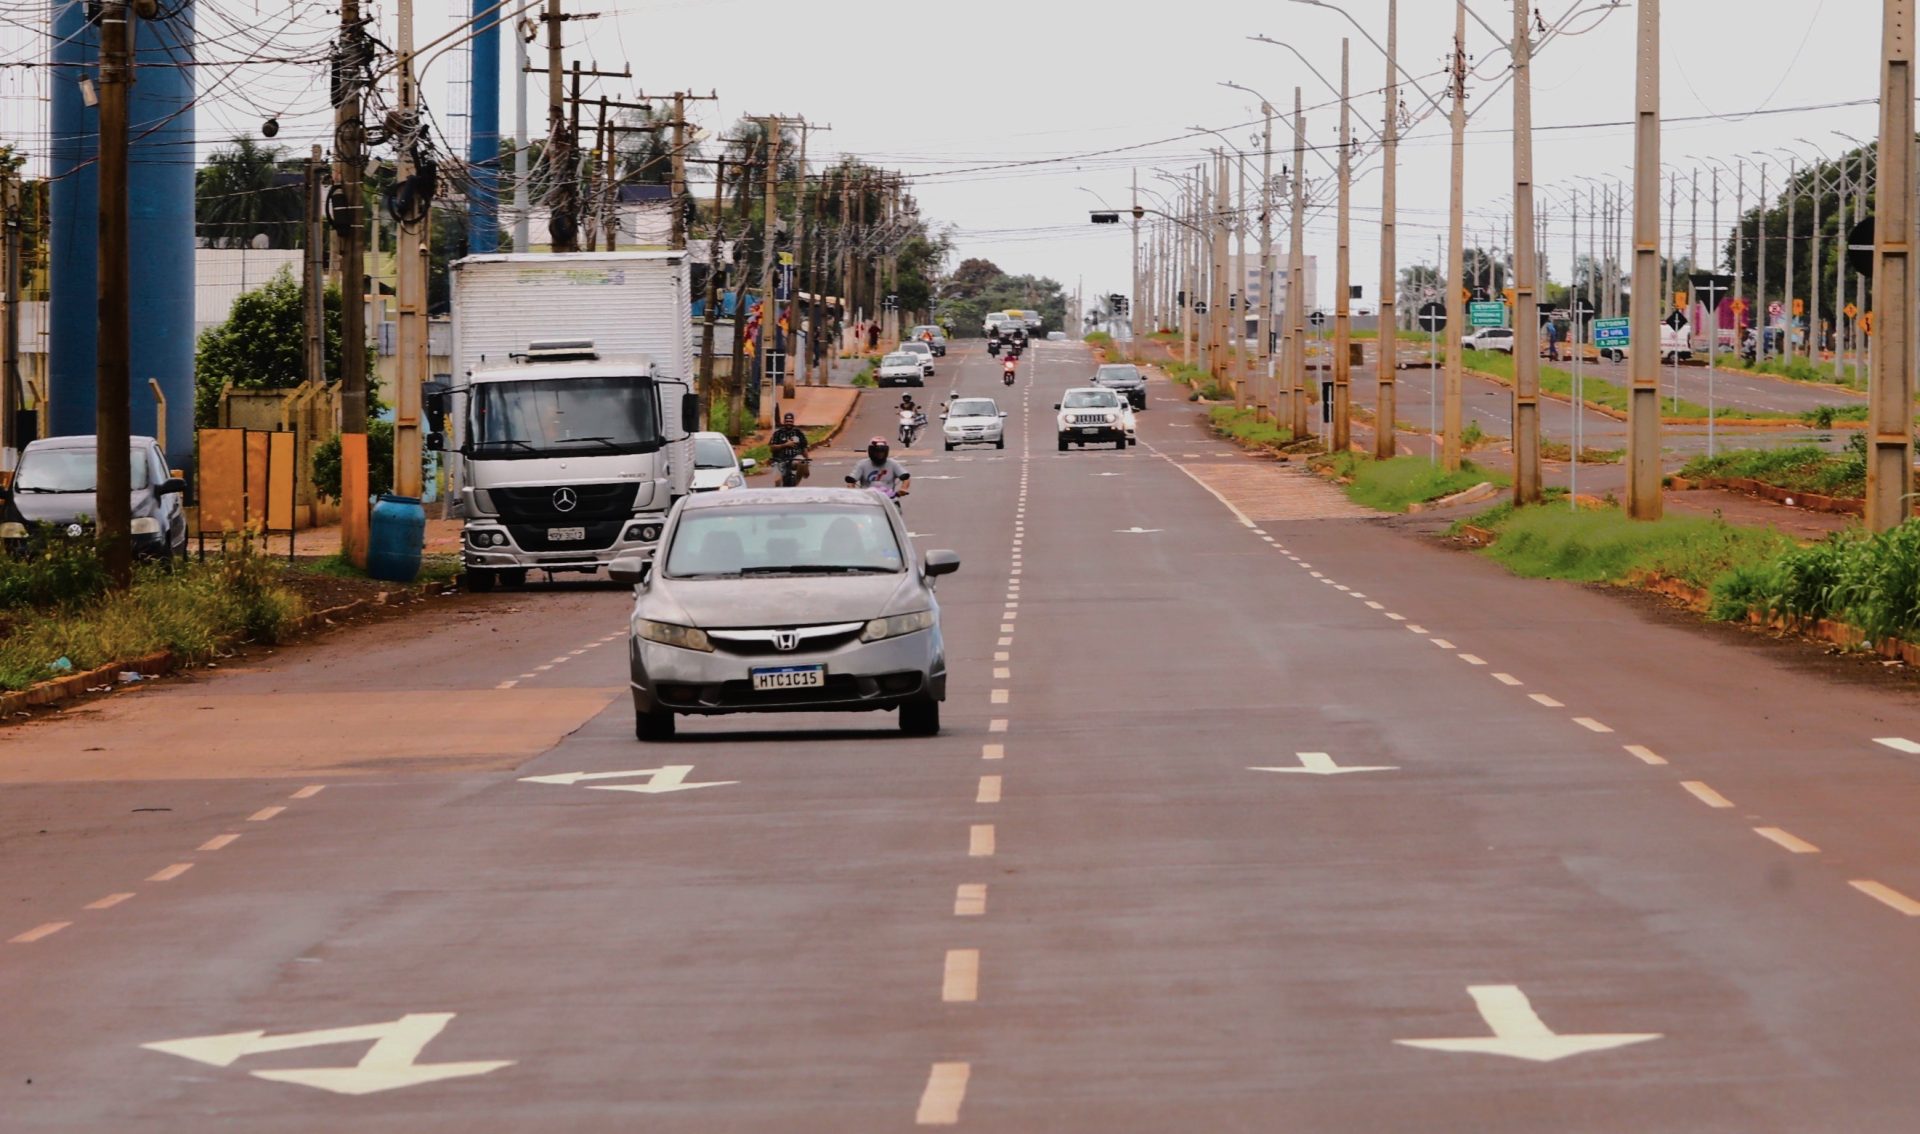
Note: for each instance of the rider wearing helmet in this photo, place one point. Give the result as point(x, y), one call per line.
point(880, 469)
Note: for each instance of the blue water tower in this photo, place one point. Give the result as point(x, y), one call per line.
point(160, 165)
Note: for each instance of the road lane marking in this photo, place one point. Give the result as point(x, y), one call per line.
point(308, 792)
point(540, 669)
point(1520, 1033)
point(1543, 699)
point(1343, 587)
point(559, 660)
point(108, 902)
point(1375, 605)
point(961, 982)
point(1507, 679)
point(997, 724)
point(1211, 491)
point(1004, 642)
point(1000, 696)
point(946, 1090)
point(507, 684)
point(37, 932)
point(264, 814)
point(1590, 724)
point(1002, 673)
point(980, 840)
point(171, 872)
point(387, 1065)
point(1006, 627)
point(1002, 656)
point(1396, 617)
point(1442, 643)
point(1416, 629)
point(1356, 594)
point(1315, 575)
point(989, 790)
point(993, 751)
point(1645, 753)
point(1887, 895)
point(1471, 659)
point(970, 900)
point(1705, 794)
point(1899, 744)
point(217, 842)
point(1791, 842)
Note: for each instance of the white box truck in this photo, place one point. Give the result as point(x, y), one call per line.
point(568, 423)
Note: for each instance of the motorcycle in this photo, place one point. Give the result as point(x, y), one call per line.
point(792, 470)
point(888, 492)
point(910, 424)
point(1006, 375)
point(993, 346)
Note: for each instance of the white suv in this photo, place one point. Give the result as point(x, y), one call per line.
point(1490, 338)
point(1093, 414)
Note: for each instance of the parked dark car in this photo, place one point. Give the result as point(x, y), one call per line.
point(53, 485)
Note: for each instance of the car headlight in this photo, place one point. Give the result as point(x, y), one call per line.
point(144, 525)
point(1112, 417)
point(11, 530)
point(733, 481)
point(953, 429)
point(668, 634)
point(897, 625)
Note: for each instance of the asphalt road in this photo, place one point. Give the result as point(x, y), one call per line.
point(1592, 867)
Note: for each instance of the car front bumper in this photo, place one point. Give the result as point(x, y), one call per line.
point(860, 677)
point(991, 436)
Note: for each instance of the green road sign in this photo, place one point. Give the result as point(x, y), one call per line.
point(1486, 314)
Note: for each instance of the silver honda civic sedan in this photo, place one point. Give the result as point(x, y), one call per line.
point(785, 600)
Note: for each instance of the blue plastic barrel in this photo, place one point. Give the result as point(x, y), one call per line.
point(396, 533)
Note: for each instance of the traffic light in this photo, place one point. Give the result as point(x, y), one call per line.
point(1106, 218)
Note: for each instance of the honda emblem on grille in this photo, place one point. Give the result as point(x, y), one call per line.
point(784, 640)
point(565, 500)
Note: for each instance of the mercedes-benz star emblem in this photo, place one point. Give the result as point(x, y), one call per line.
point(565, 500)
point(784, 640)
point(74, 529)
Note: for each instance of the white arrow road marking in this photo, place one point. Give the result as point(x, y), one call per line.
point(1135, 530)
point(671, 777)
point(388, 1064)
point(1519, 1033)
point(1321, 764)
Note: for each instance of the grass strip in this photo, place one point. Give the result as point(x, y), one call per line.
point(1394, 485)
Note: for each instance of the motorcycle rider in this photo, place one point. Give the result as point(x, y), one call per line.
point(912, 419)
point(788, 444)
point(880, 470)
point(1007, 370)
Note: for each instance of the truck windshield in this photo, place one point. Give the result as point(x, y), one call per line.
point(560, 416)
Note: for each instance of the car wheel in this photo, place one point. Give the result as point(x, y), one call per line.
point(1063, 444)
point(1000, 444)
point(478, 582)
point(920, 717)
point(949, 446)
point(654, 725)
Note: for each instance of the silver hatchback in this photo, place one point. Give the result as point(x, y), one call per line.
point(785, 600)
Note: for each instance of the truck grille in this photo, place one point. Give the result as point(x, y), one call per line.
point(536, 504)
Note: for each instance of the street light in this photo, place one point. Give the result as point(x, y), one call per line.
point(1361, 28)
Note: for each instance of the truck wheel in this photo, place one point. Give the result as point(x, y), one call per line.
point(654, 725)
point(513, 580)
point(920, 717)
point(478, 582)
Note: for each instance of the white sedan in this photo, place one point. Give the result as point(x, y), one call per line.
point(925, 353)
point(715, 467)
point(975, 421)
point(903, 367)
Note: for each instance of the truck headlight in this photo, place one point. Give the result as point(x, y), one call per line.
point(897, 625)
point(668, 634)
point(144, 525)
point(645, 533)
point(11, 530)
point(486, 537)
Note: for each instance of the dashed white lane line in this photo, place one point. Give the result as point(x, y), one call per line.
point(960, 983)
point(171, 872)
point(993, 752)
point(997, 724)
point(1646, 754)
point(1002, 656)
point(1791, 842)
point(1002, 673)
point(1005, 641)
point(1375, 605)
point(559, 660)
point(1899, 744)
point(308, 792)
point(970, 899)
point(217, 842)
point(1006, 627)
point(1590, 724)
point(1507, 679)
point(1442, 643)
point(507, 684)
point(1342, 587)
point(1543, 699)
point(1416, 629)
point(264, 814)
point(37, 932)
point(1315, 575)
point(946, 1090)
point(108, 902)
point(980, 840)
point(1887, 896)
point(1471, 659)
point(989, 790)
point(1705, 794)
point(1396, 617)
point(1000, 696)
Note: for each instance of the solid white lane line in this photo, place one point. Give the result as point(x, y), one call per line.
point(1471, 659)
point(171, 872)
point(1887, 895)
point(993, 751)
point(989, 790)
point(1646, 754)
point(1543, 699)
point(970, 900)
point(1507, 679)
point(37, 932)
point(960, 983)
point(217, 842)
point(108, 902)
point(946, 1090)
point(1899, 744)
point(1705, 794)
point(264, 814)
point(1791, 842)
point(1590, 724)
point(980, 840)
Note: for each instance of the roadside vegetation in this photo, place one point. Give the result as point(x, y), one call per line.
point(1395, 485)
point(57, 615)
point(1802, 468)
point(1244, 427)
point(1600, 392)
point(1797, 370)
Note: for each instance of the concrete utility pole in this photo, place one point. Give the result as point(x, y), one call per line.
point(113, 499)
point(1643, 356)
point(350, 224)
point(10, 378)
point(1739, 245)
point(1891, 387)
point(799, 242)
point(712, 312)
point(1237, 308)
point(1786, 299)
point(1296, 277)
point(411, 287)
point(1221, 292)
point(1526, 268)
point(313, 280)
point(769, 258)
point(1386, 371)
point(1456, 249)
point(1263, 327)
point(1133, 300)
point(522, 221)
point(564, 200)
point(1342, 289)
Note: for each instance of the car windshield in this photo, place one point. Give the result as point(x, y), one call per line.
point(774, 540)
point(914, 348)
point(712, 453)
point(974, 407)
point(1089, 399)
point(70, 470)
point(902, 359)
point(1127, 373)
point(564, 416)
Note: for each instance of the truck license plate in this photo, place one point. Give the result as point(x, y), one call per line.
point(556, 535)
point(789, 677)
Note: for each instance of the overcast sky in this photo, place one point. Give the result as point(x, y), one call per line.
point(1015, 120)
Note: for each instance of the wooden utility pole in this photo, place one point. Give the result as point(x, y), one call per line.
point(113, 497)
point(1526, 269)
point(313, 277)
point(1386, 365)
point(414, 209)
point(1890, 393)
point(350, 225)
point(10, 380)
point(1643, 328)
point(1342, 288)
point(1456, 249)
point(1297, 277)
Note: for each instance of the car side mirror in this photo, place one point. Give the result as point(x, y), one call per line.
point(1056, 405)
point(1003, 413)
point(629, 569)
point(174, 485)
point(941, 562)
point(436, 442)
point(747, 463)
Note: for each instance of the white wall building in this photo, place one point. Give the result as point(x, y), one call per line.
point(1281, 280)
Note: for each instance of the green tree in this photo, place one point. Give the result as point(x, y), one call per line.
point(260, 346)
point(242, 193)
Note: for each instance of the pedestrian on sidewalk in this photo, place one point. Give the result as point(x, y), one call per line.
point(1553, 341)
point(873, 335)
